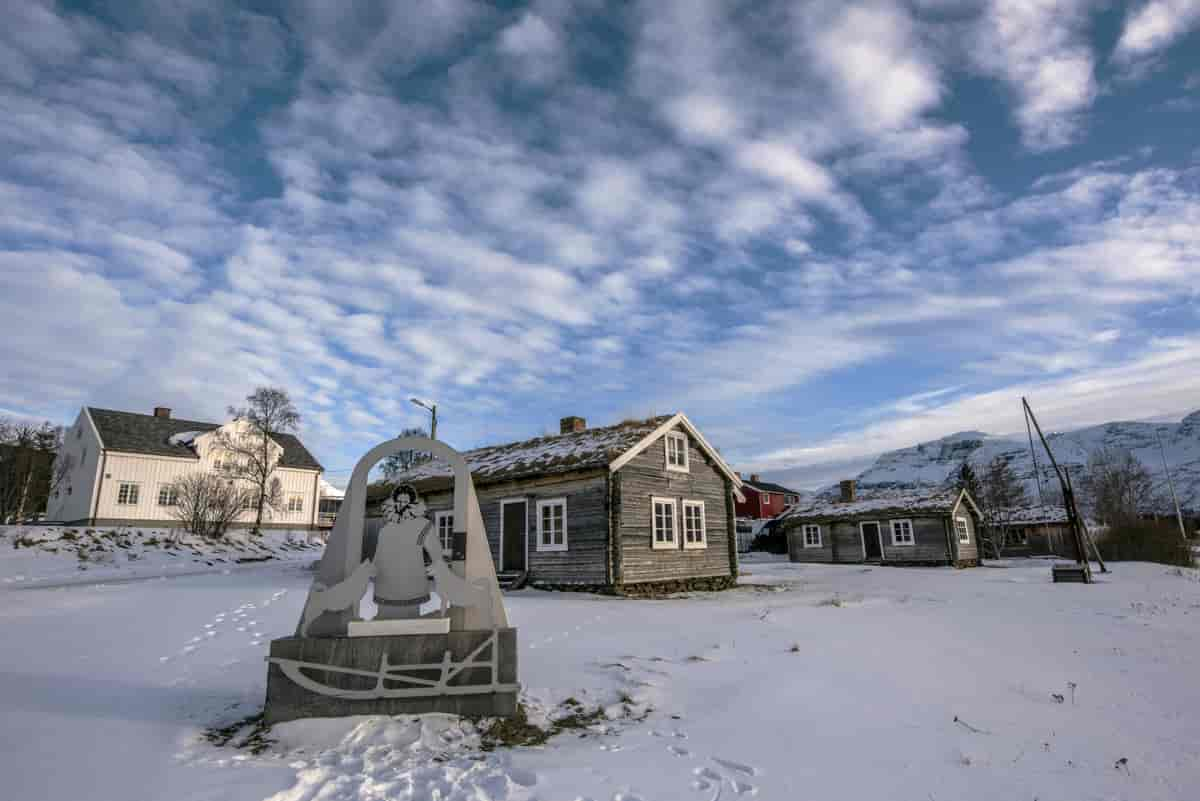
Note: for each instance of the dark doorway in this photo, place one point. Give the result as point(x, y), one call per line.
point(870, 535)
point(513, 525)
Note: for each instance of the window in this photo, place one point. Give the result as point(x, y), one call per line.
point(167, 495)
point(249, 501)
point(295, 503)
point(790, 499)
point(693, 525)
point(83, 458)
point(677, 451)
point(663, 523)
point(902, 532)
point(1016, 536)
point(963, 530)
point(445, 530)
point(812, 536)
point(216, 464)
point(127, 494)
point(552, 525)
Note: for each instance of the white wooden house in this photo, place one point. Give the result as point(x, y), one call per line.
point(123, 465)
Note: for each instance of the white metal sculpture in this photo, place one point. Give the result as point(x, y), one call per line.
point(466, 586)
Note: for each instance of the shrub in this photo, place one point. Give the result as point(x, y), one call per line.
point(1145, 541)
point(771, 539)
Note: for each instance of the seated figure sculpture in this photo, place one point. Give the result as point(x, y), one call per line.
point(400, 582)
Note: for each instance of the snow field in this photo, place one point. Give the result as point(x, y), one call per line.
point(809, 681)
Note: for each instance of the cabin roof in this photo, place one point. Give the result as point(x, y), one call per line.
point(881, 504)
point(1032, 515)
point(130, 432)
point(767, 486)
point(603, 447)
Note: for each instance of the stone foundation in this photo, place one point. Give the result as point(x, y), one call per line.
point(287, 700)
point(649, 589)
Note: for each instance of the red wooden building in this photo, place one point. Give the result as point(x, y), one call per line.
point(763, 499)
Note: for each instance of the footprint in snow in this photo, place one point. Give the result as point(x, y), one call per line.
point(679, 752)
point(738, 767)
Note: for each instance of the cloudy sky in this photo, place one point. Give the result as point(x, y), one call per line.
point(821, 229)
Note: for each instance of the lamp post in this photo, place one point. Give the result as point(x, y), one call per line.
point(432, 409)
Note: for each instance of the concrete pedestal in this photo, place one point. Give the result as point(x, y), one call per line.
point(486, 688)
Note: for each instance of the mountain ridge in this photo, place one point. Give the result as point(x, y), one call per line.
point(934, 462)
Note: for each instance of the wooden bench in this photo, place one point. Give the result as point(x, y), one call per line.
point(1070, 573)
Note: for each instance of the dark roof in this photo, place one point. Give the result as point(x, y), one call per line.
point(767, 486)
point(562, 453)
point(131, 432)
point(882, 505)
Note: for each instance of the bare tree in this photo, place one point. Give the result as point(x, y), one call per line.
point(1117, 486)
point(254, 452)
point(205, 504)
point(26, 467)
point(400, 463)
point(1000, 492)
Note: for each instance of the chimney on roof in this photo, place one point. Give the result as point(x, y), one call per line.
point(754, 478)
point(849, 489)
point(572, 424)
point(163, 412)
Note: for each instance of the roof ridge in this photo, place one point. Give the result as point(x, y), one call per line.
point(547, 437)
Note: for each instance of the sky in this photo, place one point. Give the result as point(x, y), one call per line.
point(822, 230)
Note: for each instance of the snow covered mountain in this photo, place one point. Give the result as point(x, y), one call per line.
point(933, 463)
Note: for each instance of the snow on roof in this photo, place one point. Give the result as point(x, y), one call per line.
point(185, 438)
point(561, 453)
point(1032, 515)
point(938, 501)
point(330, 491)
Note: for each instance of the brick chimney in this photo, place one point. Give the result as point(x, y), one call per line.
point(849, 489)
point(572, 424)
point(162, 411)
point(754, 478)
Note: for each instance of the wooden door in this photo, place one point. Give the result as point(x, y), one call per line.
point(513, 526)
point(870, 534)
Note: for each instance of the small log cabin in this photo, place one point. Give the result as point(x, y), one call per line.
point(1037, 531)
point(639, 506)
point(921, 528)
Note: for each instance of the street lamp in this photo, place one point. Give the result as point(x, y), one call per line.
point(431, 407)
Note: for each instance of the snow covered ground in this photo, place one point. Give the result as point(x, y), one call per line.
point(810, 681)
point(56, 555)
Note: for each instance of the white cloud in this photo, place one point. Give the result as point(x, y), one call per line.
point(529, 36)
point(702, 117)
point(1040, 48)
point(1155, 25)
point(884, 79)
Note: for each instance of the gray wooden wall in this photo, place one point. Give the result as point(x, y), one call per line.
point(646, 476)
point(586, 559)
point(929, 535)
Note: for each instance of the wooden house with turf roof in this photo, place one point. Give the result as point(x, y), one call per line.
point(640, 506)
point(921, 527)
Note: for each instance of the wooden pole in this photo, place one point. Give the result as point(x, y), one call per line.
point(1171, 483)
point(1073, 518)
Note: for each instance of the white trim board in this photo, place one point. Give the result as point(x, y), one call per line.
point(680, 419)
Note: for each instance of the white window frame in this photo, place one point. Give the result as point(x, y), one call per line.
point(964, 534)
point(804, 532)
point(912, 534)
point(295, 504)
point(172, 497)
point(677, 436)
point(766, 498)
point(541, 546)
point(447, 544)
point(137, 493)
point(673, 542)
point(702, 542)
